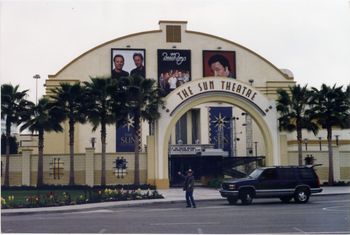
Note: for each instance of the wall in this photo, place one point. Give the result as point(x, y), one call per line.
point(85, 170)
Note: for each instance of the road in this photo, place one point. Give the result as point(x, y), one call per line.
point(323, 214)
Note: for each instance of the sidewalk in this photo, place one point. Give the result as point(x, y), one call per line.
point(170, 195)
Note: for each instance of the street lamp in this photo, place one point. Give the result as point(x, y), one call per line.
point(256, 148)
point(337, 140)
point(305, 142)
point(36, 77)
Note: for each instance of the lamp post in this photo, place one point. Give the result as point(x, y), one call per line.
point(337, 140)
point(256, 148)
point(320, 142)
point(36, 77)
point(305, 142)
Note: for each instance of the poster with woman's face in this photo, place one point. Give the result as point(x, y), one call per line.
point(126, 62)
point(219, 64)
point(174, 69)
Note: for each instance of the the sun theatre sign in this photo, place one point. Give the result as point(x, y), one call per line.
point(222, 85)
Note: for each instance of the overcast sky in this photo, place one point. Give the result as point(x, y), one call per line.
point(309, 37)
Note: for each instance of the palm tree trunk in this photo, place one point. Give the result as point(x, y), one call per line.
point(330, 156)
point(137, 154)
point(71, 152)
point(40, 173)
point(7, 165)
point(300, 152)
point(103, 153)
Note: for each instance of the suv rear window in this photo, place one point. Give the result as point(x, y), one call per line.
point(286, 173)
point(306, 173)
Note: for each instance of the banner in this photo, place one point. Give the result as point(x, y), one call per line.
point(220, 127)
point(174, 69)
point(219, 64)
point(125, 140)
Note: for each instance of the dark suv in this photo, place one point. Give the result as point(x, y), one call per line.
point(284, 182)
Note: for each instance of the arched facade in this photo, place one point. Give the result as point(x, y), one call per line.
point(262, 110)
point(246, 91)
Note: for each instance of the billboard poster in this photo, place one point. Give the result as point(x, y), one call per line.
point(219, 64)
point(125, 140)
point(125, 62)
point(220, 127)
point(174, 69)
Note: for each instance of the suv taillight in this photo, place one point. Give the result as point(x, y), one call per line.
point(318, 181)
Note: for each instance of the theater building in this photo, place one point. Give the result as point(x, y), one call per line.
point(219, 115)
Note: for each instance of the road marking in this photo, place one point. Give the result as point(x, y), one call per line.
point(200, 231)
point(102, 230)
point(88, 212)
point(334, 208)
point(190, 223)
point(299, 230)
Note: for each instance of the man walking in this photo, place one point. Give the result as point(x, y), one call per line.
point(188, 187)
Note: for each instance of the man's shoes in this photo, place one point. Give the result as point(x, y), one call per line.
point(188, 206)
point(194, 206)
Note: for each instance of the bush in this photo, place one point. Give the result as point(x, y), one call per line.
point(215, 182)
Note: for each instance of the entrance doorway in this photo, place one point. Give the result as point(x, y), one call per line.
point(204, 168)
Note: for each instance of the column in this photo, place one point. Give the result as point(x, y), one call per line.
point(26, 155)
point(89, 166)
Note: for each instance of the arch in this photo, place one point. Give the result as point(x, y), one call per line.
point(262, 110)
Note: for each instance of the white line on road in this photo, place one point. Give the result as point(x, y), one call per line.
point(102, 230)
point(200, 231)
point(299, 230)
point(190, 223)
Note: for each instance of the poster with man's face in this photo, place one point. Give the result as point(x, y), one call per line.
point(126, 62)
point(219, 64)
point(174, 69)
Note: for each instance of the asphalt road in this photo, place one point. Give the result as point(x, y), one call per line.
point(323, 214)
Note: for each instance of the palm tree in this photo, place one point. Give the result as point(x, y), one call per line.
point(14, 108)
point(100, 111)
point(142, 102)
point(294, 113)
point(331, 108)
point(69, 99)
point(44, 117)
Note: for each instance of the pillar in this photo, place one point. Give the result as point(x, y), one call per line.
point(26, 155)
point(89, 166)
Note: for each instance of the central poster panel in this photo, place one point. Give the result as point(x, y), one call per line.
point(174, 69)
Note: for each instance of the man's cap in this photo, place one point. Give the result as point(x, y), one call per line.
point(189, 171)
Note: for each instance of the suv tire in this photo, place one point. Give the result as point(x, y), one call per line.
point(301, 195)
point(232, 200)
point(286, 199)
point(246, 197)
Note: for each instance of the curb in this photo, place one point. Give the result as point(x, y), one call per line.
point(116, 204)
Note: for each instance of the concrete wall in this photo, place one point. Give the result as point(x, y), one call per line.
point(23, 168)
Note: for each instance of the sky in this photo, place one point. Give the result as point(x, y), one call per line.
point(309, 37)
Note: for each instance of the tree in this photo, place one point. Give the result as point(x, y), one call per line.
point(69, 100)
point(331, 108)
point(43, 117)
point(13, 144)
point(100, 112)
point(14, 109)
point(142, 102)
point(295, 114)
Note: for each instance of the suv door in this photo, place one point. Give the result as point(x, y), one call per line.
point(268, 183)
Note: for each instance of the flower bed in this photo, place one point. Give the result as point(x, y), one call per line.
point(61, 196)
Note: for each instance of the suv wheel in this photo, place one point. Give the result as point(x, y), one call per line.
point(232, 200)
point(302, 195)
point(286, 199)
point(246, 197)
